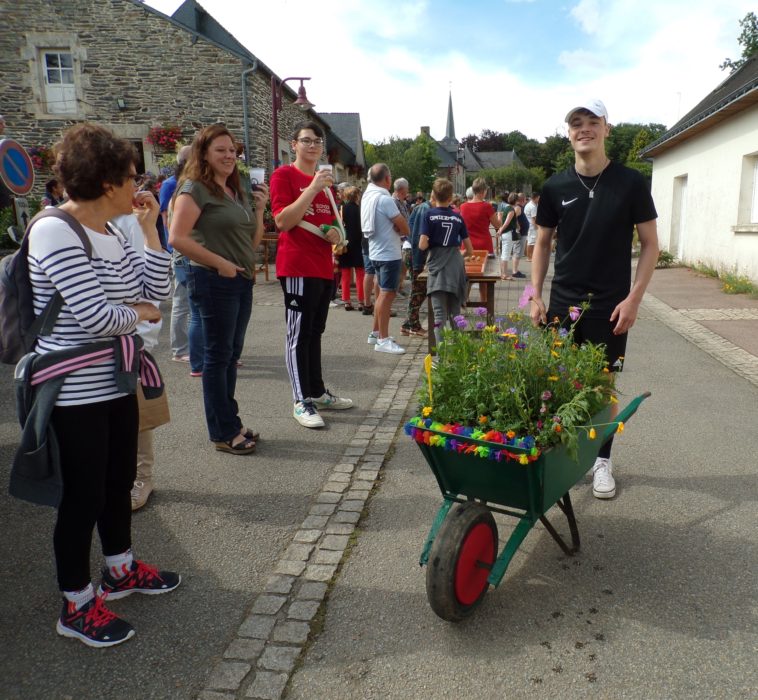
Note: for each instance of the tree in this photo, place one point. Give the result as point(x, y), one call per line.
point(748, 40)
point(551, 151)
point(414, 159)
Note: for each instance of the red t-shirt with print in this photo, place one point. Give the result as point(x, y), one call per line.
point(300, 253)
point(477, 216)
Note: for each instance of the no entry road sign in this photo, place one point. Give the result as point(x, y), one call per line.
point(16, 169)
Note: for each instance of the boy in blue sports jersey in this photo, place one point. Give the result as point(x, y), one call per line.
point(443, 232)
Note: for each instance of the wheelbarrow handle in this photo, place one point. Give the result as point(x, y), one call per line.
point(623, 416)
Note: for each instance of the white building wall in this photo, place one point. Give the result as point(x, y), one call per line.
point(699, 188)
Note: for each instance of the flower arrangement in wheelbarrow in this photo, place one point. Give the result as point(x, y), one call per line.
point(513, 384)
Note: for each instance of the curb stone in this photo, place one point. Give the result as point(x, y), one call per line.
point(260, 659)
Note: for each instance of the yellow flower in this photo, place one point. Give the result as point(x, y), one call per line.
point(592, 434)
point(605, 369)
point(552, 378)
point(620, 427)
point(557, 343)
point(614, 399)
point(490, 329)
point(523, 459)
point(554, 353)
point(426, 411)
point(510, 435)
point(483, 419)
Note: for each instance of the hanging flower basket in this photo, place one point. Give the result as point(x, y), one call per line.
point(42, 157)
point(164, 137)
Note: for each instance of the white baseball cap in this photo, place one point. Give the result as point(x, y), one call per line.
point(592, 105)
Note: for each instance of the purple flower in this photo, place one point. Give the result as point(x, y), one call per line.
point(511, 331)
point(563, 332)
point(480, 311)
point(460, 322)
point(526, 296)
point(543, 408)
point(574, 312)
point(546, 395)
point(480, 325)
point(499, 320)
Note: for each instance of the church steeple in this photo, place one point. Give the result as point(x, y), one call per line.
point(450, 130)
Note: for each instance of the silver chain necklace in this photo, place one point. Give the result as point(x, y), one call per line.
point(592, 190)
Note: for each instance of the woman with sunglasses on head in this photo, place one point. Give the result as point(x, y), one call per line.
point(214, 226)
point(305, 270)
point(95, 420)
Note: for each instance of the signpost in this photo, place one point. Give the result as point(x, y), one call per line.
point(16, 169)
point(22, 212)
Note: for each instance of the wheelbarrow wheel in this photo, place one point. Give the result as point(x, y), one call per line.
point(460, 561)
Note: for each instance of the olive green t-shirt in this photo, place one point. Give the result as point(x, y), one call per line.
point(225, 226)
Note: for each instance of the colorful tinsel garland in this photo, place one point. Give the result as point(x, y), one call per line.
point(419, 429)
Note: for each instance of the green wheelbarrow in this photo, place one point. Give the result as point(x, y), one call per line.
point(461, 550)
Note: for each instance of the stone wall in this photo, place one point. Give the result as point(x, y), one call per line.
point(163, 73)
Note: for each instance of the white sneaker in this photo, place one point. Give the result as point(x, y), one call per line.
point(603, 483)
point(373, 337)
point(388, 345)
point(306, 414)
point(329, 400)
point(140, 493)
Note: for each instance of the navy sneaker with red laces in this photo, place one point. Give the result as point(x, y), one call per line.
point(93, 624)
point(140, 579)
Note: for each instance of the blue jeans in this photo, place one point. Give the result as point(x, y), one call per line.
point(387, 274)
point(194, 331)
point(225, 305)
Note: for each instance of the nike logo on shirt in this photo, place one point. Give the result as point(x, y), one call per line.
point(571, 201)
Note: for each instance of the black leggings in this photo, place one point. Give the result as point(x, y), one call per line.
point(98, 449)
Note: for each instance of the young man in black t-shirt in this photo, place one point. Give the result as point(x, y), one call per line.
point(595, 205)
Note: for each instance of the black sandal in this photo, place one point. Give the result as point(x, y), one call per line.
point(349, 306)
point(245, 447)
point(251, 434)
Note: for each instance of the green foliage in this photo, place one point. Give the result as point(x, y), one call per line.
point(514, 377)
point(748, 40)
point(732, 283)
point(513, 178)
point(7, 218)
point(665, 260)
point(414, 159)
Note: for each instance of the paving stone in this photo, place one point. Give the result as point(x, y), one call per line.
point(248, 649)
point(322, 509)
point(214, 695)
point(357, 494)
point(268, 685)
point(355, 506)
point(367, 475)
point(359, 442)
point(257, 626)
point(344, 516)
point(279, 584)
point(313, 522)
point(335, 486)
point(278, 658)
point(344, 468)
point(340, 528)
point(339, 477)
point(289, 568)
point(268, 604)
point(312, 590)
point(354, 451)
point(304, 610)
point(335, 542)
point(291, 632)
point(297, 552)
point(308, 535)
point(319, 572)
point(228, 675)
point(327, 556)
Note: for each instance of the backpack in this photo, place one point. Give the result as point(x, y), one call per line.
point(19, 327)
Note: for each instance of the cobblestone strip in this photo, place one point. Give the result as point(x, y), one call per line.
point(720, 314)
point(260, 659)
point(735, 358)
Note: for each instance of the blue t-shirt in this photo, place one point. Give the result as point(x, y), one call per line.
point(444, 228)
point(168, 187)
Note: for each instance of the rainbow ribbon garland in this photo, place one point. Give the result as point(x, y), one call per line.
point(419, 429)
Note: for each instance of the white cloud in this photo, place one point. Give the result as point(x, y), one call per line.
point(668, 53)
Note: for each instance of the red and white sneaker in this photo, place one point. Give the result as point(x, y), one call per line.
point(140, 579)
point(93, 624)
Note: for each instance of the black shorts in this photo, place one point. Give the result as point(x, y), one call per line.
point(599, 330)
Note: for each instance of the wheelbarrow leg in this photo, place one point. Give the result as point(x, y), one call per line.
point(565, 505)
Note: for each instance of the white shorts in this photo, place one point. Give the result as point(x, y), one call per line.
point(510, 249)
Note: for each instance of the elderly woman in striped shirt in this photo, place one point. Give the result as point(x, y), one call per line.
point(95, 421)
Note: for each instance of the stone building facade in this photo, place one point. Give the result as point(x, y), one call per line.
point(128, 67)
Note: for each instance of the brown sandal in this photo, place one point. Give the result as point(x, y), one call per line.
point(245, 447)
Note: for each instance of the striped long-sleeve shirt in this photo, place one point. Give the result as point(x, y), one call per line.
point(97, 295)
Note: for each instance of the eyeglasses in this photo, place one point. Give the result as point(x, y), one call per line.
point(308, 142)
point(136, 179)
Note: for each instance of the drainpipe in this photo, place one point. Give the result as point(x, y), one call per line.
point(245, 118)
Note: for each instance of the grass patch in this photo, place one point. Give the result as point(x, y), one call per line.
point(665, 260)
point(731, 282)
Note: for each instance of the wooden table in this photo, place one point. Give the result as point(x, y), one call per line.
point(486, 280)
point(269, 237)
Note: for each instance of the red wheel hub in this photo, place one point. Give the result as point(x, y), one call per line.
point(478, 550)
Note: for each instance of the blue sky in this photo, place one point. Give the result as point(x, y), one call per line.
point(511, 64)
